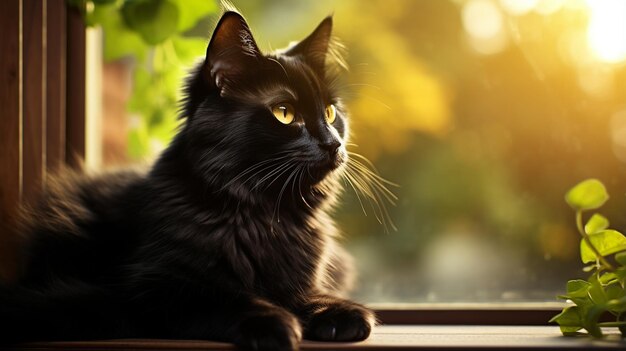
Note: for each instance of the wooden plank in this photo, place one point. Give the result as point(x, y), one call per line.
point(34, 122)
point(11, 122)
point(431, 337)
point(55, 82)
point(75, 98)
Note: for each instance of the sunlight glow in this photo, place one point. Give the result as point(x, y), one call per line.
point(548, 7)
point(518, 7)
point(484, 22)
point(482, 19)
point(606, 34)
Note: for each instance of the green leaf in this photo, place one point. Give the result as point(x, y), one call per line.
point(608, 278)
point(596, 223)
point(617, 299)
point(596, 292)
point(192, 11)
point(587, 195)
point(616, 306)
point(99, 14)
point(119, 40)
point(568, 317)
point(577, 288)
point(154, 20)
point(606, 242)
point(614, 291)
point(569, 320)
point(621, 258)
point(590, 320)
point(620, 272)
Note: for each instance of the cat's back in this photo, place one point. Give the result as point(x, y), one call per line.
point(81, 224)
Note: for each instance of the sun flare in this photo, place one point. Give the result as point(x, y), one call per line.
point(606, 33)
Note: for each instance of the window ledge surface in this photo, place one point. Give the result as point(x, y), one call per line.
point(388, 337)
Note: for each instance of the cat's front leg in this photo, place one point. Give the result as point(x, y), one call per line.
point(250, 322)
point(328, 318)
point(267, 327)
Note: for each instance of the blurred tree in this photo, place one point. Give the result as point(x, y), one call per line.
point(159, 36)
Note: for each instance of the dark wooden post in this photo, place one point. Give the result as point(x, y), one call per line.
point(56, 72)
point(11, 125)
point(42, 122)
point(34, 98)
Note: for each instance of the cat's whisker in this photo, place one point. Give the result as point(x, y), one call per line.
point(356, 192)
point(362, 176)
point(378, 207)
point(293, 184)
point(278, 200)
point(366, 190)
point(255, 167)
point(388, 195)
point(277, 167)
point(365, 159)
point(376, 192)
point(300, 186)
point(366, 168)
point(374, 184)
point(276, 174)
point(374, 180)
point(246, 171)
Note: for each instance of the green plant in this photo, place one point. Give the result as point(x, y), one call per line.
point(603, 293)
point(159, 36)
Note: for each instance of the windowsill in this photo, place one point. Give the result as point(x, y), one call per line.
point(389, 337)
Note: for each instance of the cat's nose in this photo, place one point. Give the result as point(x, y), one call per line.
point(331, 147)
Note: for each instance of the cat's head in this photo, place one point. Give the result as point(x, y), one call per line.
point(260, 120)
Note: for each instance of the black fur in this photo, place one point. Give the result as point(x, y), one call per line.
point(215, 241)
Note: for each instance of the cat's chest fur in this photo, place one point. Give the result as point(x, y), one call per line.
point(257, 248)
point(272, 253)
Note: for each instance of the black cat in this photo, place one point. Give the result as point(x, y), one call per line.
point(227, 237)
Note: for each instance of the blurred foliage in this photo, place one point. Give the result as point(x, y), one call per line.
point(158, 35)
point(417, 101)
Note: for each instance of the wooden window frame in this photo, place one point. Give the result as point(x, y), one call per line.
point(42, 69)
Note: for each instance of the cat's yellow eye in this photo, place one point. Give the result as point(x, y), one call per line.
point(284, 113)
point(331, 113)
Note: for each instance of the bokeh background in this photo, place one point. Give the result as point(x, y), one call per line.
point(484, 112)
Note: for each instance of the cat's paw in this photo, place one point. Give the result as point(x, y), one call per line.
point(340, 321)
point(276, 331)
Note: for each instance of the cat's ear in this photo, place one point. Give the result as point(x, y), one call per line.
point(232, 52)
point(314, 48)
